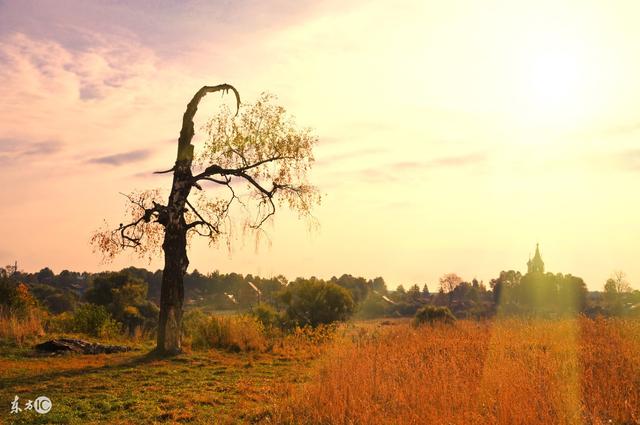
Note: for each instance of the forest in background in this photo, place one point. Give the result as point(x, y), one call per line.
point(128, 299)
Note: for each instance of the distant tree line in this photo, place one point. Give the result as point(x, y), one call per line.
point(130, 296)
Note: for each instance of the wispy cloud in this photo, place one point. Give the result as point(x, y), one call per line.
point(17, 150)
point(447, 161)
point(184, 24)
point(42, 149)
point(402, 169)
point(345, 156)
point(122, 158)
point(628, 159)
point(623, 129)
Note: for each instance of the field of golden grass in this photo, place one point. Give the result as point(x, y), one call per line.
point(577, 371)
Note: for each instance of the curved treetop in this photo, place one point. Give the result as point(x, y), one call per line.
point(259, 149)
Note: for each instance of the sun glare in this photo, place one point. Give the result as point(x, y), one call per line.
point(553, 87)
point(554, 83)
point(562, 70)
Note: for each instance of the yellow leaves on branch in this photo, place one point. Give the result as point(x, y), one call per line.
point(265, 141)
point(262, 131)
point(143, 237)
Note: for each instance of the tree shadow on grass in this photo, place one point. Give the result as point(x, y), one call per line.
point(40, 378)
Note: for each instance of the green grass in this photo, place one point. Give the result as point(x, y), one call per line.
point(135, 388)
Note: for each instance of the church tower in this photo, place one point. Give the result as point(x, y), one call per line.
point(535, 264)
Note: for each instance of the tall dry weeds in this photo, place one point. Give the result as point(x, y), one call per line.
point(20, 328)
point(505, 372)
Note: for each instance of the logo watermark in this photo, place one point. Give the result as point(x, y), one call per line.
point(41, 405)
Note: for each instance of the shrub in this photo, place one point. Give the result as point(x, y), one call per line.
point(125, 297)
point(19, 327)
point(430, 314)
point(20, 316)
point(192, 320)
point(234, 333)
point(266, 315)
point(60, 302)
point(406, 308)
point(60, 323)
point(306, 342)
point(373, 306)
point(15, 298)
point(313, 302)
point(94, 320)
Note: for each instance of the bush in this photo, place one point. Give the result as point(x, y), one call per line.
point(430, 314)
point(234, 333)
point(16, 298)
point(304, 343)
point(191, 320)
point(142, 317)
point(404, 308)
point(60, 302)
point(94, 320)
point(20, 317)
point(125, 297)
point(313, 302)
point(373, 306)
point(266, 315)
point(20, 327)
point(59, 323)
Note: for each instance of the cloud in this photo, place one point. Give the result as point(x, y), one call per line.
point(461, 160)
point(8, 145)
point(122, 158)
point(344, 156)
point(377, 175)
point(447, 161)
point(172, 28)
point(623, 129)
point(398, 171)
point(112, 93)
point(629, 159)
point(16, 150)
point(42, 149)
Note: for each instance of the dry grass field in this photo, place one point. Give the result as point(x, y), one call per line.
point(577, 371)
point(504, 372)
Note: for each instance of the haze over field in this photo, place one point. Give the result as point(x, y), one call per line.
point(453, 136)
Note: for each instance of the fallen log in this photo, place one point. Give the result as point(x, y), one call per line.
point(70, 345)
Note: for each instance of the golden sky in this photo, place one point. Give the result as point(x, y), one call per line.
point(453, 135)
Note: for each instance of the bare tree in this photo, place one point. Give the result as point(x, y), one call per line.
point(258, 149)
point(449, 281)
point(617, 283)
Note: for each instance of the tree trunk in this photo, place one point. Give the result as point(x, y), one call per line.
point(175, 264)
point(171, 299)
point(175, 237)
point(175, 267)
point(172, 295)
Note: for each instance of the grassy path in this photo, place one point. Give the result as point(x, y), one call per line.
point(132, 388)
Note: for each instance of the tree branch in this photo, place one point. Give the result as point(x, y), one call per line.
point(131, 238)
point(216, 169)
point(187, 131)
point(165, 171)
point(212, 229)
